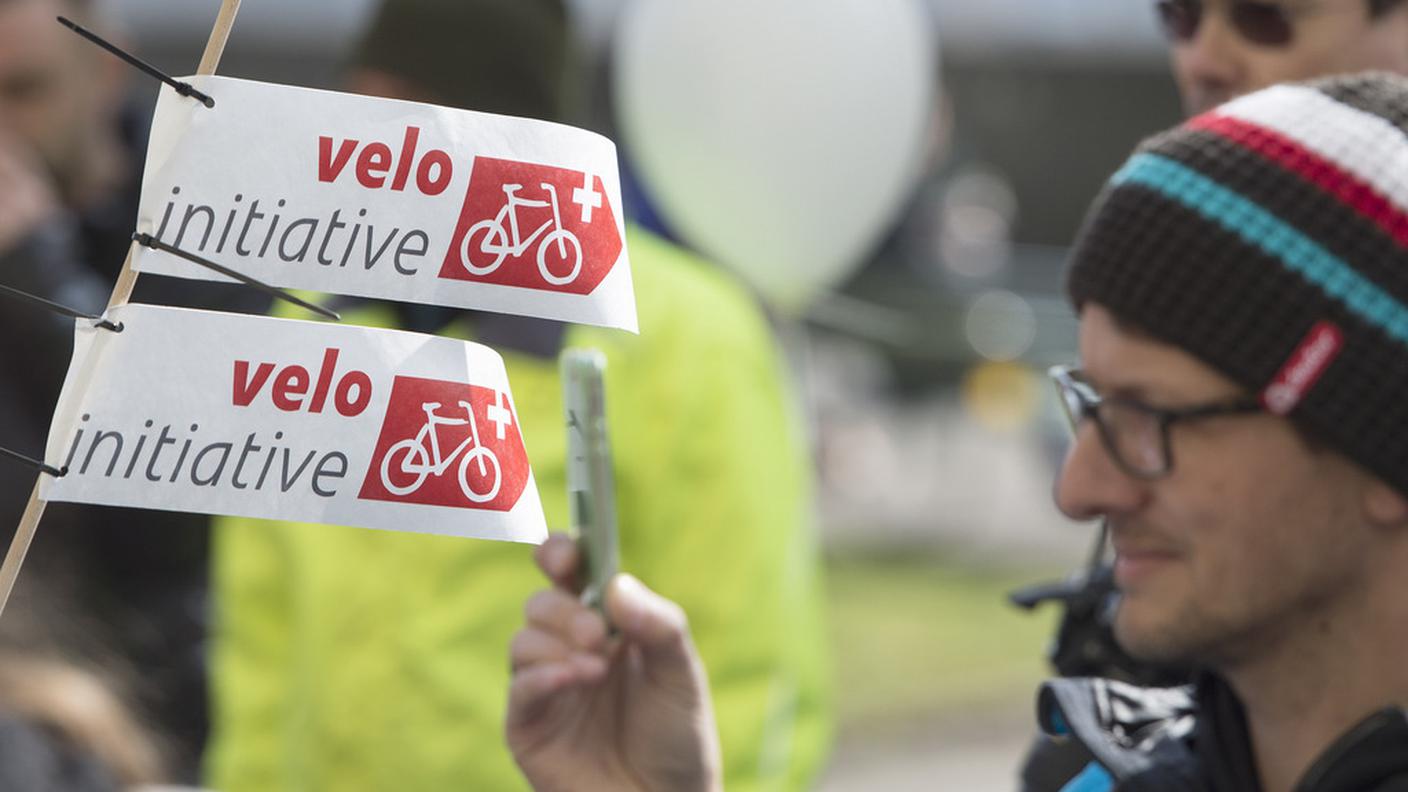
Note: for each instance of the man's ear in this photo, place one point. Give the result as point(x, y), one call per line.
point(1385, 505)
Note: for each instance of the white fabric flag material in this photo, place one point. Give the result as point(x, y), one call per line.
point(382, 198)
point(242, 415)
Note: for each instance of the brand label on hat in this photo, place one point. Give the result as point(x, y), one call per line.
point(1303, 368)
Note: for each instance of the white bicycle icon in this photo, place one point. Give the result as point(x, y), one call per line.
point(501, 241)
point(422, 457)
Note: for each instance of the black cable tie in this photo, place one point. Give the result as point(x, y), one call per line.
point(35, 463)
point(182, 88)
point(147, 240)
point(50, 305)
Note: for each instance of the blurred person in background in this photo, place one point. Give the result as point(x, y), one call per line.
point(1242, 288)
point(64, 726)
point(355, 659)
point(63, 730)
point(1224, 48)
point(72, 141)
point(64, 169)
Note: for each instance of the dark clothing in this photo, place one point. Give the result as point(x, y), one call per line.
point(123, 588)
point(1106, 735)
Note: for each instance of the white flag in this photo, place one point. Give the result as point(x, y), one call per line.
point(387, 199)
point(242, 415)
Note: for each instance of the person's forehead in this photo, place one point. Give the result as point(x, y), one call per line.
point(1117, 357)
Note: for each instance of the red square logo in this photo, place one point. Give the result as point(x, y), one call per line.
point(533, 226)
point(448, 444)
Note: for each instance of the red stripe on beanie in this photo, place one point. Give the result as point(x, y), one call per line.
point(1325, 174)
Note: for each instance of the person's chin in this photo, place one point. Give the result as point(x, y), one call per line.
point(1147, 631)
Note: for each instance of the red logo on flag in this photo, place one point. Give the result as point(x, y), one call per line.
point(533, 226)
point(448, 444)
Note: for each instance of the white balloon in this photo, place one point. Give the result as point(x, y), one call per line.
point(779, 137)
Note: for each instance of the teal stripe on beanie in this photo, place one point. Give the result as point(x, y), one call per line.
point(1263, 230)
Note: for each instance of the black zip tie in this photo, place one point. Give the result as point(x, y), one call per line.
point(182, 88)
point(34, 463)
point(50, 305)
point(147, 240)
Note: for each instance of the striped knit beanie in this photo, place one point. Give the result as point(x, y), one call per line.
point(1269, 238)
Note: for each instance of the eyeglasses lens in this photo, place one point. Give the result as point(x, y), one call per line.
point(1071, 403)
point(1262, 23)
point(1134, 437)
point(1267, 24)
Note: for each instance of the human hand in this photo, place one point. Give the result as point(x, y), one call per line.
point(27, 195)
point(590, 712)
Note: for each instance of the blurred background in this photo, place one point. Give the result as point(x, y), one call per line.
point(922, 369)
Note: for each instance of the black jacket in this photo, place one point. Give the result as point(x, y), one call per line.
point(1104, 735)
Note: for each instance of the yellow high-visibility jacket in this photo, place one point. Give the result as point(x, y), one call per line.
point(352, 659)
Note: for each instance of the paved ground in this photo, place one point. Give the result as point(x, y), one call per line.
point(976, 752)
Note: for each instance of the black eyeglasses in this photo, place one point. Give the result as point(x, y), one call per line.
point(1267, 24)
point(1135, 434)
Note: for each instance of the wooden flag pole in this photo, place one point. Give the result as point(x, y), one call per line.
point(219, 34)
point(121, 292)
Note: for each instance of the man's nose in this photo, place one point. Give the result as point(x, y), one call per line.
point(1091, 484)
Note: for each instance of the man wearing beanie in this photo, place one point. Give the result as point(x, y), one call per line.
point(353, 660)
point(1219, 50)
point(1242, 286)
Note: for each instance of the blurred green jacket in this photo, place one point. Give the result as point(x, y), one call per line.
point(352, 659)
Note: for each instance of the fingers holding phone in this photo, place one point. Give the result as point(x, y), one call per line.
point(592, 711)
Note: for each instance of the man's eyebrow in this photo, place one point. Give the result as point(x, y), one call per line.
point(1136, 391)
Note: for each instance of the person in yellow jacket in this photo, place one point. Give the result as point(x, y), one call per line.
point(350, 659)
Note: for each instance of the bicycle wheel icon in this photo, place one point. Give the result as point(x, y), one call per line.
point(492, 240)
point(414, 463)
point(550, 258)
point(481, 474)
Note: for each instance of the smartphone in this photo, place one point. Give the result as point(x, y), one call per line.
point(591, 490)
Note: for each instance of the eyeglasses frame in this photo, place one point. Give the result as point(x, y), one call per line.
point(1070, 379)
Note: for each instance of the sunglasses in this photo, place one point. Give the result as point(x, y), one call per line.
point(1267, 24)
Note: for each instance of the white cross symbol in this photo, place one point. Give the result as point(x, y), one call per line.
point(587, 197)
point(498, 416)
